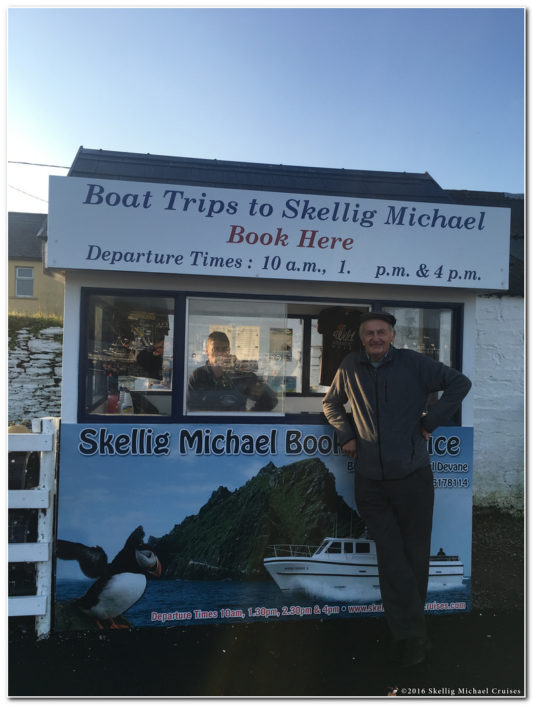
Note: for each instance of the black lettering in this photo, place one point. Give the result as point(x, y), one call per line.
point(106, 443)
point(95, 190)
point(91, 445)
point(293, 445)
point(191, 439)
point(98, 252)
point(173, 194)
point(454, 445)
point(122, 444)
point(292, 206)
point(247, 445)
point(396, 219)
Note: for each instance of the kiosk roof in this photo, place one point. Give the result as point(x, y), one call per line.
point(247, 175)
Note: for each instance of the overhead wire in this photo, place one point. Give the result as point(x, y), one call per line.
point(27, 194)
point(48, 166)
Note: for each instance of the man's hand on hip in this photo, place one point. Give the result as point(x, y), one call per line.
point(424, 432)
point(350, 448)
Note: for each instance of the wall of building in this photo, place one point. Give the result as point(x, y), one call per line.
point(498, 389)
point(48, 293)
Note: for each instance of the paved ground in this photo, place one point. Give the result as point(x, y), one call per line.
point(480, 653)
point(475, 654)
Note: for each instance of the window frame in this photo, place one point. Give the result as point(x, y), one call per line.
point(26, 279)
point(180, 298)
point(177, 380)
point(306, 359)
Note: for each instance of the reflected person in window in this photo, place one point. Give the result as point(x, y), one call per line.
point(150, 360)
point(220, 385)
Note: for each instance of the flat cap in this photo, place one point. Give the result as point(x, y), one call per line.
point(380, 315)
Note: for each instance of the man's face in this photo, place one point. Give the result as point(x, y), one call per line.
point(218, 353)
point(377, 336)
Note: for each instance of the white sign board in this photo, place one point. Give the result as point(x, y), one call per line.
point(116, 225)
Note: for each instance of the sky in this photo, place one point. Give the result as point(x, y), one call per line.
point(415, 90)
point(389, 89)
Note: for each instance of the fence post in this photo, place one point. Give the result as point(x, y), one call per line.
point(45, 525)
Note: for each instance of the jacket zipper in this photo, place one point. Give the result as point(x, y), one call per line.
point(376, 372)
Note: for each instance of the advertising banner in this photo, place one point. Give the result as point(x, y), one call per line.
point(179, 525)
point(118, 225)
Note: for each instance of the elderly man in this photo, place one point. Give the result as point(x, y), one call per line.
point(388, 389)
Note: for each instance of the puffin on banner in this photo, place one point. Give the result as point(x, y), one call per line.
point(120, 583)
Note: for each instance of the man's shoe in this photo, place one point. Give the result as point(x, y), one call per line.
point(396, 650)
point(415, 651)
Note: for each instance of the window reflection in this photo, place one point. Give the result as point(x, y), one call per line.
point(241, 356)
point(426, 330)
point(237, 353)
point(294, 361)
point(317, 351)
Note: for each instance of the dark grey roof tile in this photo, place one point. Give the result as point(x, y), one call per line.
point(23, 229)
point(255, 176)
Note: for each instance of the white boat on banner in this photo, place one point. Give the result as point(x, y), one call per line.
point(347, 568)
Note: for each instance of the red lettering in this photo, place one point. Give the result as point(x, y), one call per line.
point(281, 238)
point(307, 239)
point(236, 232)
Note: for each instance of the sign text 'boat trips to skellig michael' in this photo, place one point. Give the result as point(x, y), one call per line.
point(151, 227)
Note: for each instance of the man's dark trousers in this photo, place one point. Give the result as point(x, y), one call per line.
point(398, 515)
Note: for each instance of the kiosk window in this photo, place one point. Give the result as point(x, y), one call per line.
point(427, 330)
point(237, 353)
point(234, 356)
point(129, 348)
point(317, 356)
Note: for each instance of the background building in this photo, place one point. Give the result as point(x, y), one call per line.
point(31, 289)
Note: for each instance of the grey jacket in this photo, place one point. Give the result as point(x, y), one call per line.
point(388, 404)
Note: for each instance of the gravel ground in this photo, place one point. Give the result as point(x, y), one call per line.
point(476, 654)
point(497, 561)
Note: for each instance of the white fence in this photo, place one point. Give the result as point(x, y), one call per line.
point(44, 440)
